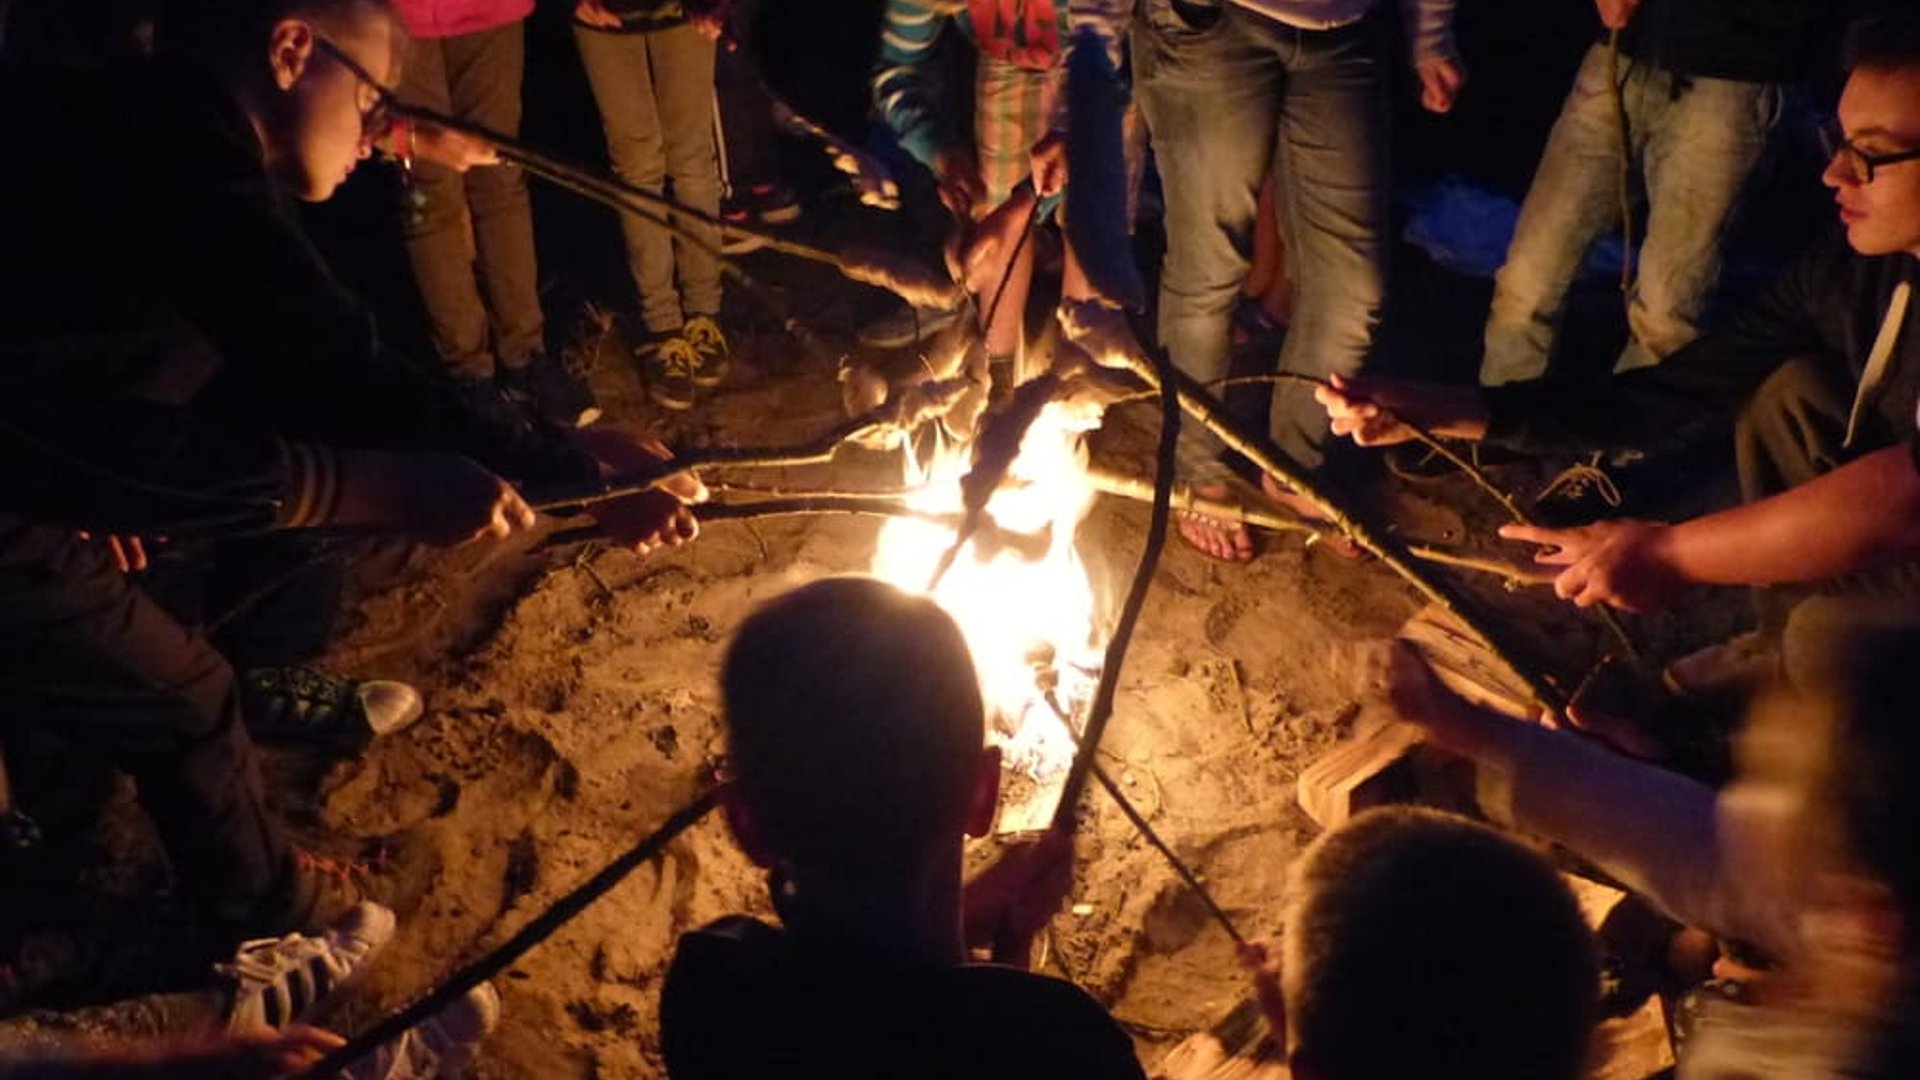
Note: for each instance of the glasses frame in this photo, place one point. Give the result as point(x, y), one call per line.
point(377, 119)
point(1860, 163)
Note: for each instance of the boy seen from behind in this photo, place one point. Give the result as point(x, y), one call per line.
point(856, 733)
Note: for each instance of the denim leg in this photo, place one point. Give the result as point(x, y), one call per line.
point(1574, 198)
point(622, 77)
point(1699, 151)
point(1212, 102)
point(1332, 192)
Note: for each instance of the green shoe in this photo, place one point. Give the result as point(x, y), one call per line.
point(667, 363)
point(303, 705)
point(711, 343)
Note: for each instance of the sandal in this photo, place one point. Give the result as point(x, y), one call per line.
point(1227, 541)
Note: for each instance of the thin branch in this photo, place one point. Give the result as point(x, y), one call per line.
point(903, 412)
point(1606, 616)
point(1514, 573)
point(914, 282)
point(748, 511)
point(1207, 409)
point(499, 959)
point(1434, 443)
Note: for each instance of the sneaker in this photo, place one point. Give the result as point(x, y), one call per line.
point(441, 1046)
point(489, 402)
point(1737, 666)
point(556, 393)
point(1581, 494)
point(774, 203)
point(904, 325)
point(286, 980)
point(707, 339)
point(306, 705)
point(667, 363)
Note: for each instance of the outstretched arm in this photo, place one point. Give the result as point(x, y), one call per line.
point(1862, 515)
point(1664, 835)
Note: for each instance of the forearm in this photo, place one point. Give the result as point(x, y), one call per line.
point(1429, 26)
point(1863, 514)
point(1655, 831)
point(901, 96)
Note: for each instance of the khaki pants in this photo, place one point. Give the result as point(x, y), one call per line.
point(656, 99)
point(1789, 432)
point(474, 232)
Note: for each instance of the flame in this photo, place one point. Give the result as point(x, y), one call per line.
point(1019, 591)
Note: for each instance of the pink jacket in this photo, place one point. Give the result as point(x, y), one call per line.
point(447, 18)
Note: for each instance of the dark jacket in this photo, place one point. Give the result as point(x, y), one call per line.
point(744, 1001)
point(174, 354)
point(1827, 308)
point(1774, 41)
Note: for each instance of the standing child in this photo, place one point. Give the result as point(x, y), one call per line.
point(651, 66)
point(467, 60)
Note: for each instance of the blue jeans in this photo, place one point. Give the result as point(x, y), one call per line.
point(1693, 142)
point(1230, 96)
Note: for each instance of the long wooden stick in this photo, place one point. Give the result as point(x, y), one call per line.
point(1434, 443)
point(901, 413)
point(1208, 411)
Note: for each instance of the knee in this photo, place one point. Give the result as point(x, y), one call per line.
point(494, 187)
point(1795, 390)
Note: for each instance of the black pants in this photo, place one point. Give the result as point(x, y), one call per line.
point(1790, 432)
point(746, 112)
point(89, 658)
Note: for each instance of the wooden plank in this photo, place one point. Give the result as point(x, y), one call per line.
point(1467, 665)
point(1370, 769)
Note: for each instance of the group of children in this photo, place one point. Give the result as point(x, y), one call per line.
point(179, 362)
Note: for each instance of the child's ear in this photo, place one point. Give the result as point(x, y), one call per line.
point(986, 793)
point(746, 831)
point(289, 51)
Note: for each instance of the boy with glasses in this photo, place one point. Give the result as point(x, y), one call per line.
point(1820, 375)
point(176, 360)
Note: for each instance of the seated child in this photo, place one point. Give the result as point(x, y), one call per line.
point(857, 736)
point(1419, 943)
point(1806, 858)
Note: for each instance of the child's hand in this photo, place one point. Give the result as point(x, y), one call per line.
point(1049, 164)
point(1012, 900)
point(1257, 958)
point(710, 18)
point(594, 13)
point(659, 517)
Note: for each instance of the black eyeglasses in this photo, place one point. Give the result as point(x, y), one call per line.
point(377, 118)
point(1860, 164)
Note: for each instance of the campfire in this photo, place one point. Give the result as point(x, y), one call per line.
point(1022, 597)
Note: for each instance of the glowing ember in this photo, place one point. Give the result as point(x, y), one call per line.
point(1019, 593)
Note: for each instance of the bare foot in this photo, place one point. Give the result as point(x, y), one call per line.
point(1333, 539)
point(1228, 541)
